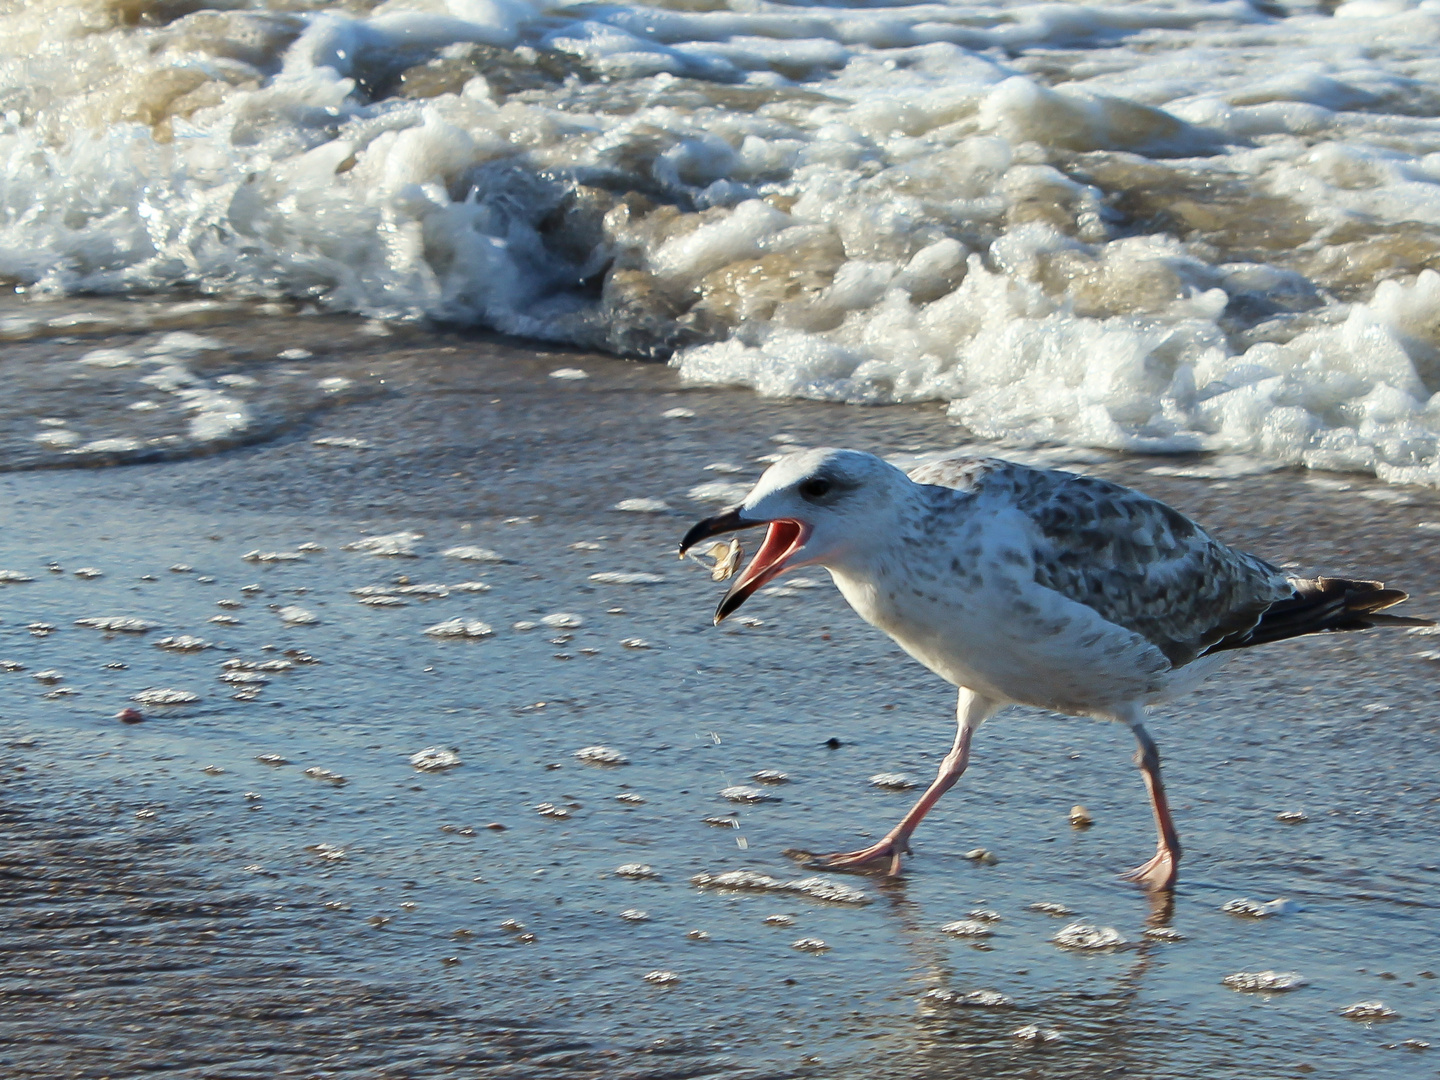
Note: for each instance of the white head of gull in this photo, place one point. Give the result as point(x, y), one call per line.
point(1031, 586)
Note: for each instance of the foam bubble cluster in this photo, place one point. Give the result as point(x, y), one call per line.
point(1264, 981)
point(1085, 936)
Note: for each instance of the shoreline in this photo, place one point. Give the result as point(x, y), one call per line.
point(471, 442)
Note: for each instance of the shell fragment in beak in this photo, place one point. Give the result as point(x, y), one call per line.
point(725, 558)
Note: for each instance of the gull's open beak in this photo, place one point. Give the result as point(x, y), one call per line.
point(784, 539)
point(726, 522)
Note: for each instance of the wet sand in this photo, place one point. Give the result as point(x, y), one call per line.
point(174, 906)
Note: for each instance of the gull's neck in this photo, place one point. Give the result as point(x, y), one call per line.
point(890, 546)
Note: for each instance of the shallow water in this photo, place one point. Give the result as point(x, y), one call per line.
point(1163, 226)
point(162, 881)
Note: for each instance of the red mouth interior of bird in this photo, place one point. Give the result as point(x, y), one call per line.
point(782, 541)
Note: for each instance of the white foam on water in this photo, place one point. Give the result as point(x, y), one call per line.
point(1037, 1035)
point(1265, 981)
point(742, 794)
point(1369, 1010)
point(165, 696)
point(601, 755)
point(643, 506)
point(184, 643)
point(967, 928)
point(396, 544)
point(618, 577)
point(259, 556)
point(1256, 909)
point(718, 491)
point(1085, 936)
point(460, 628)
point(471, 553)
point(435, 759)
point(117, 624)
point(1178, 227)
point(985, 999)
point(636, 871)
point(817, 888)
point(892, 781)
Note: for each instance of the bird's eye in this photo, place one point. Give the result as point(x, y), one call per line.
point(815, 488)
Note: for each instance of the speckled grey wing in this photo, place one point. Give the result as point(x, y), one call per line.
point(1146, 566)
point(963, 473)
point(1139, 563)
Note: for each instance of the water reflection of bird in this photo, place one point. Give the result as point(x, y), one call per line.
point(1031, 586)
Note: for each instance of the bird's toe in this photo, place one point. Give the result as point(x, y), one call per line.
point(849, 860)
point(1157, 875)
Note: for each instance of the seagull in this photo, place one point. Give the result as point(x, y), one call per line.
point(1035, 587)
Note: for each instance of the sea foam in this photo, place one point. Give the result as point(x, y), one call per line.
point(1191, 226)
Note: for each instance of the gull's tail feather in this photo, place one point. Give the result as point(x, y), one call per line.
point(1320, 605)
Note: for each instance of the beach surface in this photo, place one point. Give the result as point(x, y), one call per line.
point(260, 883)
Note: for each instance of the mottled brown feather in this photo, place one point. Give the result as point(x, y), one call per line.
point(1137, 562)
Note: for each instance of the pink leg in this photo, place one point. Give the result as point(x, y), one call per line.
point(972, 710)
point(1159, 874)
